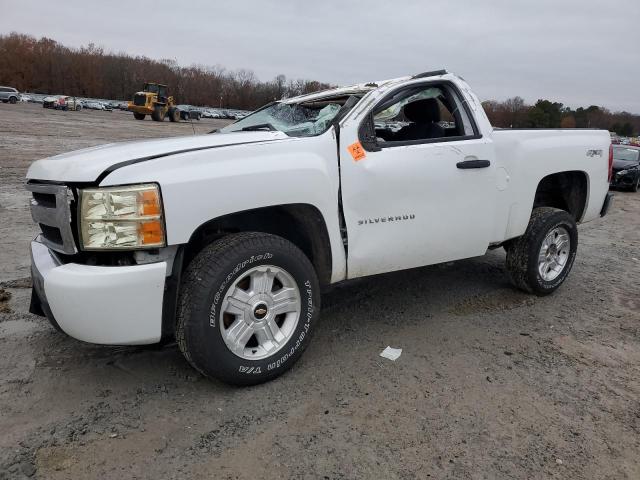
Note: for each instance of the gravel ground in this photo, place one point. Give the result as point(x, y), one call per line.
point(491, 384)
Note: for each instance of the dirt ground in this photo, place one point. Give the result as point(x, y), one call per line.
point(491, 383)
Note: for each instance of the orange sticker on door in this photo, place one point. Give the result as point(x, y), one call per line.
point(356, 151)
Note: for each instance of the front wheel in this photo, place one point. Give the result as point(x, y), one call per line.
point(247, 308)
point(138, 116)
point(540, 260)
point(158, 114)
point(13, 100)
point(174, 115)
point(636, 185)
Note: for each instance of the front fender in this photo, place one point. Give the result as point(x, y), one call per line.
point(203, 185)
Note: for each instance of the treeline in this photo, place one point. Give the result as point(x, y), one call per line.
point(515, 113)
point(45, 66)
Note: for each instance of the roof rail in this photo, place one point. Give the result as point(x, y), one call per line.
point(434, 73)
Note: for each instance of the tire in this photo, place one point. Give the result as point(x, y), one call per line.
point(223, 267)
point(158, 114)
point(13, 100)
point(524, 254)
point(636, 186)
point(174, 115)
point(138, 116)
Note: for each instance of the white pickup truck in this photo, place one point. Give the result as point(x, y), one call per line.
point(224, 240)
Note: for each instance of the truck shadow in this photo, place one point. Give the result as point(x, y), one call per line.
point(395, 299)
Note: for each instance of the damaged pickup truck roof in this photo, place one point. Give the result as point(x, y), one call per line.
point(357, 89)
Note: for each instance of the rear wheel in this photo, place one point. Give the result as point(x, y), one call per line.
point(636, 185)
point(247, 308)
point(540, 260)
point(138, 116)
point(158, 114)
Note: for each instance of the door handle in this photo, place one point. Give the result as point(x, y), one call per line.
point(473, 164)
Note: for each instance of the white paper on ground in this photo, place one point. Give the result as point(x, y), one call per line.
point(391, 353)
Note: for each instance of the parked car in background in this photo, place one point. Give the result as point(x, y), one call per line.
point(626, 167)
point(65, 103)
point(9, 95)
point(93, 105)
point(50, 101)
point(26, 98)
point(188, 112)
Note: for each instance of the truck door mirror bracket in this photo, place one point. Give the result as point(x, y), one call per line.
point(367, 135)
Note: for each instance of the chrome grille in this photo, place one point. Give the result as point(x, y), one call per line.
point(51, 209)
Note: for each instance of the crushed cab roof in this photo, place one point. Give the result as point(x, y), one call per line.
point(357, 89)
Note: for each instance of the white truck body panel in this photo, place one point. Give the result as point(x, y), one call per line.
point(88, 164)
point(527, 156)
point(451, 213)
point(457, 213)
point(216, 182)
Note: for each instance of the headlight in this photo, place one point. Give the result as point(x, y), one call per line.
point(121, 218)
point(623, 172)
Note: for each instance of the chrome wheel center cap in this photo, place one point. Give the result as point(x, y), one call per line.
point(260, 311)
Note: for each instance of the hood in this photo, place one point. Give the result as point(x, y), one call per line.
point(620, 164)
point(88, 164)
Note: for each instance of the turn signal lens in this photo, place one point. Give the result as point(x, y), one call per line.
point(116, 218)
point(150, 202)
point(151, 233)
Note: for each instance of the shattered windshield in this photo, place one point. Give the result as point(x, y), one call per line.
point(304, 119)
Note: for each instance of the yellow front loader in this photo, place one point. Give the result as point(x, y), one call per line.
point(153, 100)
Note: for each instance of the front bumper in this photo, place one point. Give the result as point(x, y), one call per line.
point(624, 181)
point(105, 305)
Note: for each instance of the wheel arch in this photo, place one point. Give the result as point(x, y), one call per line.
point(301, 224)
point(568, 190)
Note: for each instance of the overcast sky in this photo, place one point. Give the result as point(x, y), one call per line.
point(578, 52)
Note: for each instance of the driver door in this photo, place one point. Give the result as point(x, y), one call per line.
point(418, 201)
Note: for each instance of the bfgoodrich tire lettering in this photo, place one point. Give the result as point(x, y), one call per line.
point(523, 253)
point(209, 277)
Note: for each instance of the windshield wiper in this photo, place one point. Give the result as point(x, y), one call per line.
point(260, 126)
